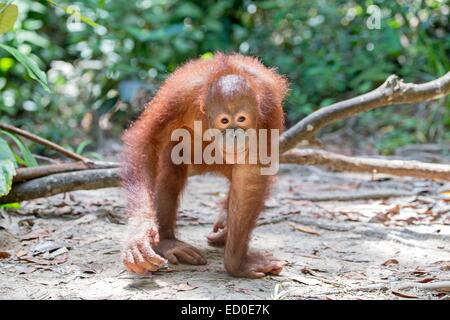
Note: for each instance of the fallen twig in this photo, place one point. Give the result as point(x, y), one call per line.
point(442, 286)
point(357, 164)
point(353, 195)
point(304, 229)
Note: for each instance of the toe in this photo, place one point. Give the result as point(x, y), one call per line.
point(171, 257)
point(255, 274)
point(185, 256)
point(197, 255)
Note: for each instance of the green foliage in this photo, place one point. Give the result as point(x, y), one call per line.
point(14, 205)
point(10, 160)
point(8, 166)
point(31, 66)
point(82, 146)
point(8, 16)
point(27, 159)
point(97, 69)
point(71, 11)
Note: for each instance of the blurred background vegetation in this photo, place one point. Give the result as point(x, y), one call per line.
point(102, 70)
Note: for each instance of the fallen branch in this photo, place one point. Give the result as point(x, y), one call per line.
point(356, 164)
point(442, 286)
point(353, 195)
point(44, 142)
point(392, 91)
point(25, 174)
point(84, 177)
point(62, 182)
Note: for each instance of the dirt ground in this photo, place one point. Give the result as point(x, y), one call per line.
point(343, 236)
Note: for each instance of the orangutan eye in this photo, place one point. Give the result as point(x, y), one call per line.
point(241, 119)
point(224, 120)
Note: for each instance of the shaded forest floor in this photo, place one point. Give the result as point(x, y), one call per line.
point(381, 233)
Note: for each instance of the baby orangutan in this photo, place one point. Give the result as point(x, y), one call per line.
point(227, 92)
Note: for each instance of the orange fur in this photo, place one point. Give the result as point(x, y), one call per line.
point(153, 183)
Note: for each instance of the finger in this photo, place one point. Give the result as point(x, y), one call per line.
point(143, 262)
point(216, 235)
point(217, 226)
point(133, 259)
point(149, 266)
point(213, 236)
point(129, 257)
point(138, 258)
point(125, 264)
point(172, 258)
point(154, 235)
point(151, 256)
point(135, 268)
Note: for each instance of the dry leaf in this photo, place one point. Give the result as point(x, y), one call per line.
point(354, 275)
point(21, 253)
point(47, 246)
point(185, 287)
point(419, 272)
point(242, 290)
point(394, 210)
point(403, 294)
point(305, 280)
point(390, 262)
point(4, 255)
point(304, 229)
point(425, 280)
point(36, 234)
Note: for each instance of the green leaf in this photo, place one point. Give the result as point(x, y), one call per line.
point(14, 205)
point(8, 16)
point(82, 146)
point(6, 152)
point(207, 55)
point(7, 172)
point(7, 167)
point(32, 68)
point(28, 157)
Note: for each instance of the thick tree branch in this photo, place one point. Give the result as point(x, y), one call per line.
point(86, 179)
point(44, 142)
point(62, 182)
point(392, 91)
point(339, 162)
point(25, 174)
